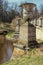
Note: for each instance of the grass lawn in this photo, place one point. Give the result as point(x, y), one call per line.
point(26, 60)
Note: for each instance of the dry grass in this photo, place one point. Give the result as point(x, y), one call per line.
point(26, 60)
point(34, 57)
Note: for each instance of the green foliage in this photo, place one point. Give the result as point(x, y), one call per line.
point(10, 34)
point(26, 60)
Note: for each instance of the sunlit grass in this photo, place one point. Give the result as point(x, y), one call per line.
point(10, 34)
point(26, 60)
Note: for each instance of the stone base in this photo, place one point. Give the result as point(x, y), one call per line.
point(18, 52)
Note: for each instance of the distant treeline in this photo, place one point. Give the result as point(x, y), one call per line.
point(8, 13)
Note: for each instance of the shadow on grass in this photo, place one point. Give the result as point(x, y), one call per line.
point(35, 44)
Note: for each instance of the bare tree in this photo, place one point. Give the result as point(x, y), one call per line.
point(41, 9)
point(35, 15)
point(1, 8)
point(6, 14)
point(5, 5)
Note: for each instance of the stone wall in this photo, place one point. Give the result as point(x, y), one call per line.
point(39, 28)
point(23, 36)
point(31, 33)
point(27, 33)
point(39, 33)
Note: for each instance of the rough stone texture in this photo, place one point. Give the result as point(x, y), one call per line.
point(32, 33)
point(23, 36)
point(18, 52)
point(27, 33)
point(39, 33)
